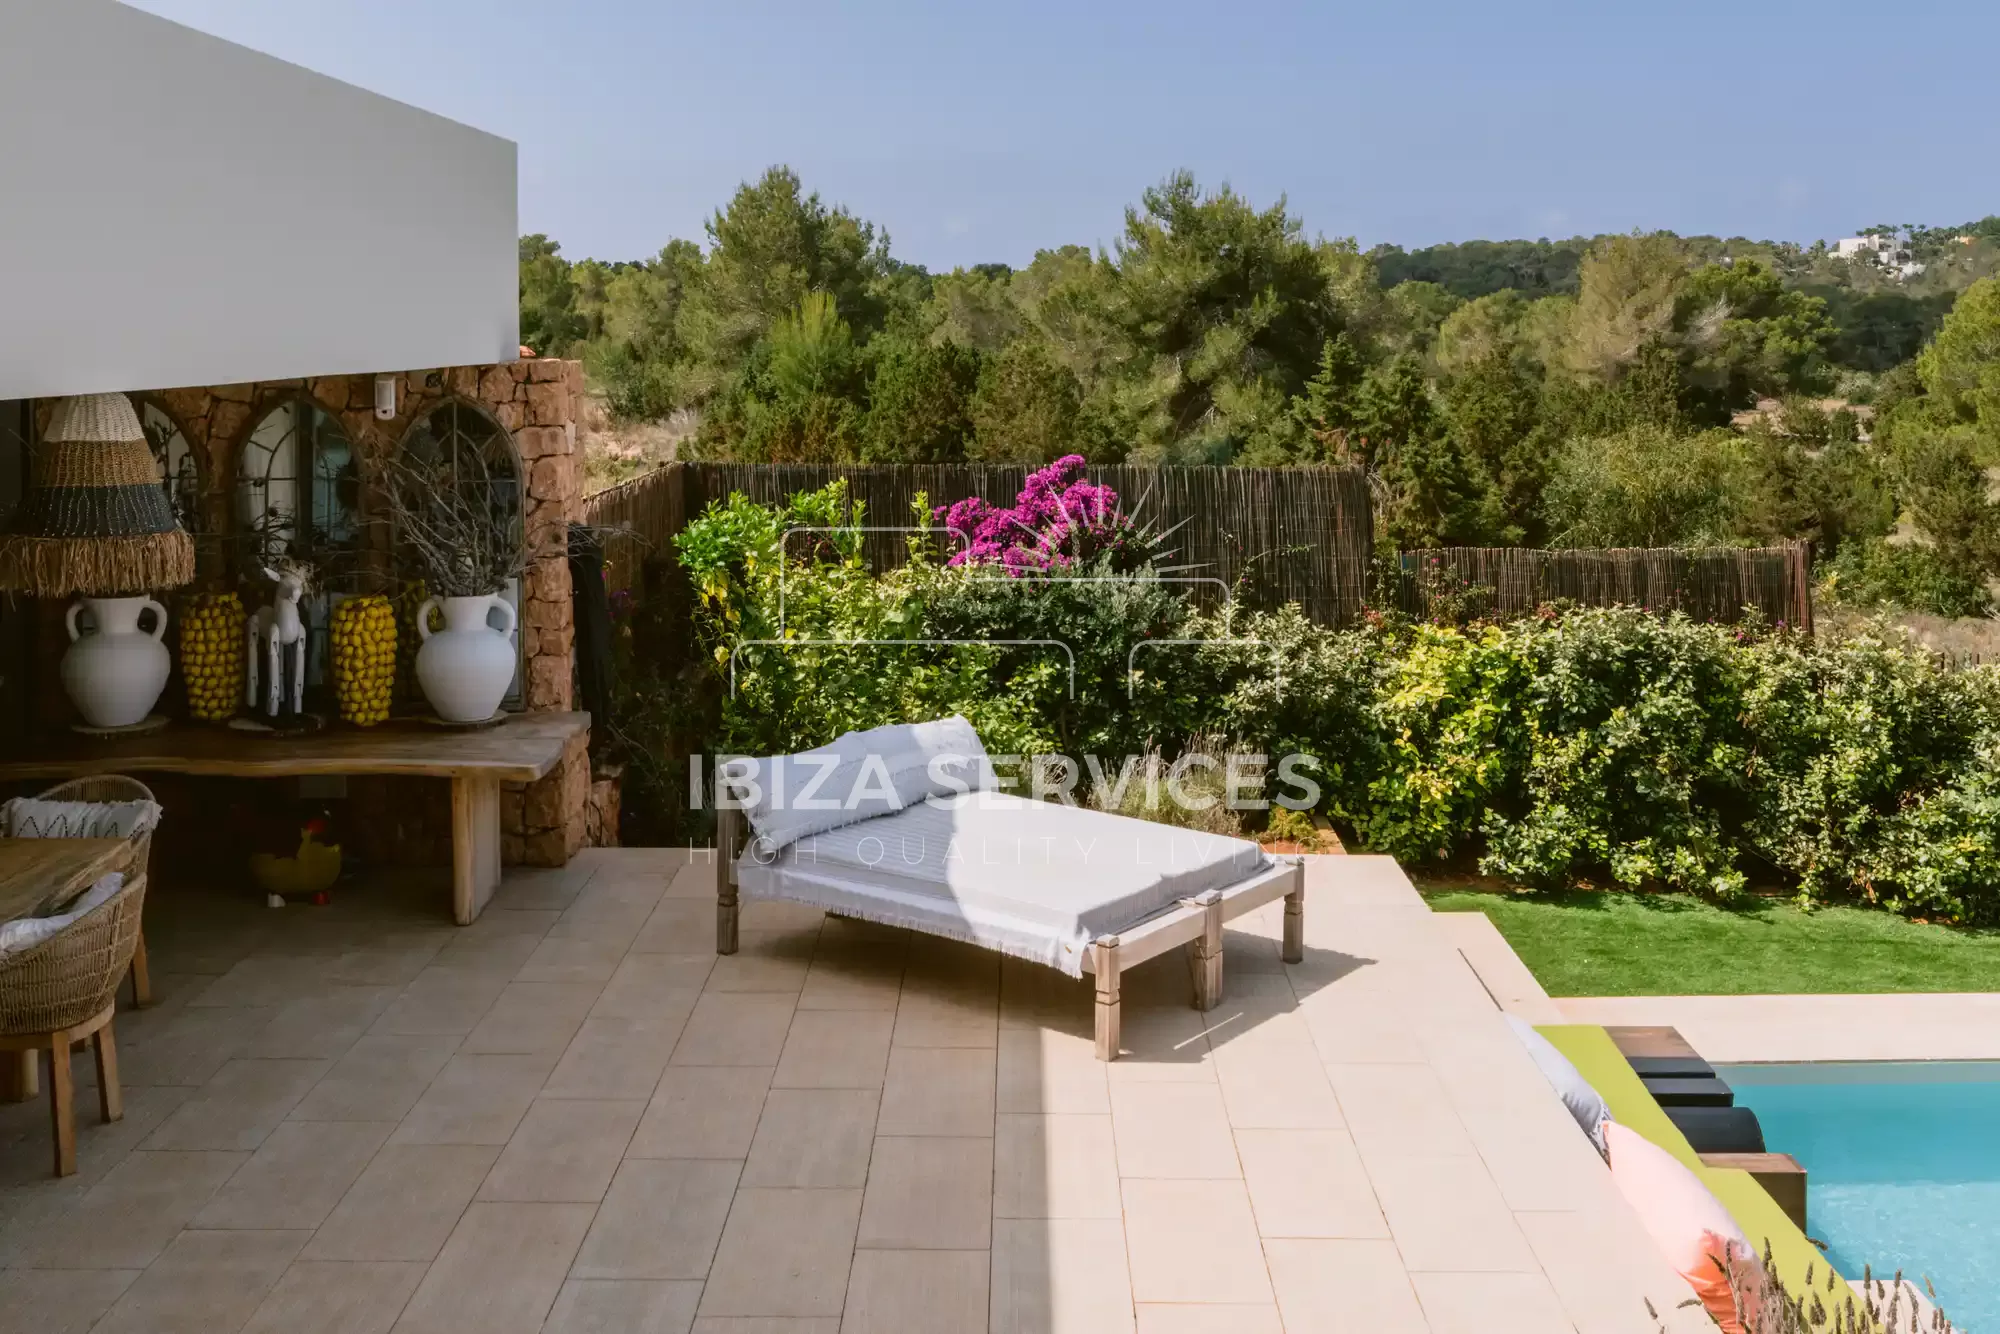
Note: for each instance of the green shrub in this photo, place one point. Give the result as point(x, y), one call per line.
point(1881, 574)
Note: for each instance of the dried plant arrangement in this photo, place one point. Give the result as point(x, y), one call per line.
point(460, 528)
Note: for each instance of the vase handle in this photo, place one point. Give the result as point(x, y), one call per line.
point(500, 601)
point(424, 619)
point(69, 619)
point(159, 630)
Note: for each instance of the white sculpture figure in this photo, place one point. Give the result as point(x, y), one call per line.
point(278, 626)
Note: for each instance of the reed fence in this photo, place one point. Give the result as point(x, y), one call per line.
point(1708, 583)
point(1281, 535)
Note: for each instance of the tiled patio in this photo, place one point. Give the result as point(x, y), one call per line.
point(572, 1116)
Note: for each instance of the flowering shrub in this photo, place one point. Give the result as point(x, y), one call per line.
point(1061, 521)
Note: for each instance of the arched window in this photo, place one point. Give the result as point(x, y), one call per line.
point(298, 497)
point(180, 471)
point(458, 444)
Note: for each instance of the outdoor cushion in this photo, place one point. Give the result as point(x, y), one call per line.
point(1583, 1101)
point(1690, 1226)
point(1033, 879)
point(31, 817)
point(26, 932)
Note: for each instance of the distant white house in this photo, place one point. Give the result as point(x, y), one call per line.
point(1886, 252)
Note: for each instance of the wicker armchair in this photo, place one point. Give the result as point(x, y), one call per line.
point(115, 788)
point(65, 990)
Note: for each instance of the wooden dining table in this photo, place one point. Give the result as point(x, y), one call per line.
point(33, 870)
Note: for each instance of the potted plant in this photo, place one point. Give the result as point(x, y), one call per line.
point(460, 531)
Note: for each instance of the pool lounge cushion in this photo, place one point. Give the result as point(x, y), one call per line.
point(1693, 1230)
point(1583, 1101)
point(1719, 1129)
point(1591, 1050)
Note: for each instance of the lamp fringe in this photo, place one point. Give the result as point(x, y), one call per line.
point(55, 567)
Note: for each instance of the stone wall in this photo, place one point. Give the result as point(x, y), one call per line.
point(538, 402)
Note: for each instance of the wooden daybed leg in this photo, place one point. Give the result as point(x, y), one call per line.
point(1205, 952)
point(1295, 917)
point(1104, 958)
point(728, 824)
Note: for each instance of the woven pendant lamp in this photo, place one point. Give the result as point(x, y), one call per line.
point(97, 521)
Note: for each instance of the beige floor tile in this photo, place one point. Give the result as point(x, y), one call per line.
point(1353, 1028)
point(501, 1270)
point(765, 1324)
point(926, 1018)
point(784, 1253)
point(1600, 1264)
point(1308, 1183)
point(1172, 1130)
point(938, 1091)
point(614, 1058)
point(1344, 1285)
point(1273, 1082)
point(476, 1099)
point(1055, 1167)
point(1155, 1318)
point(929, 1193)
point(835, 1049)
point(566, 959)
point(533, 1018)
point(1045, 1071)
point(128, 1218)
point(321, 1025)
point(1490, 1304)
point(735, 1029)
point(813, 1138)
point(296, 1176)
point(323, 1298)
point(265, 978)
point(1162, 1044)
point(1446, 1214)
point(601, 1306)
point(1194, 1241)
point(1060, 1276)
point(679, 926)
point(776, 965)
point(551, 888)
point(495, 946)
point(566, 1151)
point(859, 975)
point(661, 1219)
point(654, 986)
point(190, 1047)
point(612, 925)
point(702, 1112)
point(917, 1292)
point(204, 1281)
point(100, 1145)
point(379, 1079)
point(1398, 1109)
point(781, 915)
point(240, 1106)
point(441, 1003)
point(58, 1301)
point(405, 1205)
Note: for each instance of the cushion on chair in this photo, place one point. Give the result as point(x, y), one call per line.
point(31, 817)
point(1689, 1225)
point(27, 932)
point(1583, 1101)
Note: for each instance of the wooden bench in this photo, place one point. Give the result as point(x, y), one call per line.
point(522, 749)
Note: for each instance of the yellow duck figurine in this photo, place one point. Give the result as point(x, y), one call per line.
point(310, 871)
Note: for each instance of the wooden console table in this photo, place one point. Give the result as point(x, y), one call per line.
point(525, 747)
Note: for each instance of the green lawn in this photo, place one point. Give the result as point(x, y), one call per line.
point(1590, 944)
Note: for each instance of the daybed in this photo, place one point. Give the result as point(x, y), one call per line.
point(906, 826)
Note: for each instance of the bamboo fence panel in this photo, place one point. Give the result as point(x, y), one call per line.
point(1287, 535)
point(1707, 583)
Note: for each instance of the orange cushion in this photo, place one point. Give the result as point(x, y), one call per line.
point(1689, 1225)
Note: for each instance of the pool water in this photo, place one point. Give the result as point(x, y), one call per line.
point(1902, 1168)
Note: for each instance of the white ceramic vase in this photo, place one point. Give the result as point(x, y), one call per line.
point(466, 667)
point(116, 672)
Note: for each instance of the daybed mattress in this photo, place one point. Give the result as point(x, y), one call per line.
point(1032, 879)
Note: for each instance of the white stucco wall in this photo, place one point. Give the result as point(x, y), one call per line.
point(178, 210)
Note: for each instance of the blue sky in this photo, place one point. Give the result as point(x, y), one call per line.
point(986, 132)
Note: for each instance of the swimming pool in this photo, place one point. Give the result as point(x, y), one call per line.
point(1902, 1168)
